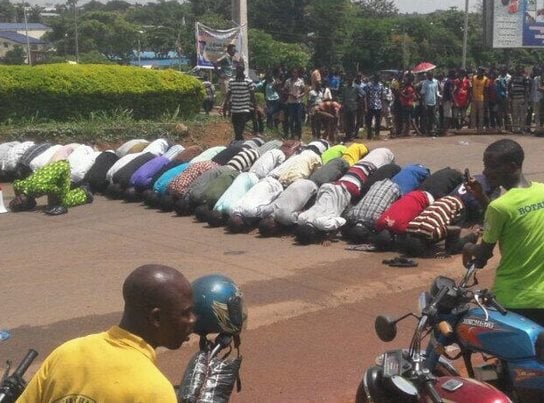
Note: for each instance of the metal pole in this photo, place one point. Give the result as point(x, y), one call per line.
point(28, 54)
point(139, 53)
point(77, 37)
point(465, 37)
point(239, 16)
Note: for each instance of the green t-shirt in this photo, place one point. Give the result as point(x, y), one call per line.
point(516, 221)
point(334, 152)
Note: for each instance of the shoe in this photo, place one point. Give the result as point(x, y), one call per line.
point(56, 210)
point(88, 193)
point(400, 262)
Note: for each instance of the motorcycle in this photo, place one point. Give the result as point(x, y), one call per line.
point(472, 321)
point(406, 374)
point(11, 386)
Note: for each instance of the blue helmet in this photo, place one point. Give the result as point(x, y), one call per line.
point(218, 305)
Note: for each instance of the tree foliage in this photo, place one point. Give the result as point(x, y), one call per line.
point(363, 35)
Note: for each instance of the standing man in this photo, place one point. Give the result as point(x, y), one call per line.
point(226, 66)
point(241, 101)
point(514, 220)
point(447, 101)
point(119, 365)
point(477, 109)
point(536, 95)
point(374, 96)
point(429, 102)
point(294, 87)
point(518, 91)
point(350, 97)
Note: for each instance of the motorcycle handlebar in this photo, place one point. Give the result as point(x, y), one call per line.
point(23, 366)
point(495, 304)
point(431, 390)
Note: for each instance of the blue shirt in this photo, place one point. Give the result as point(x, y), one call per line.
point(429, 90)
point(161, 184)
point(410, 177)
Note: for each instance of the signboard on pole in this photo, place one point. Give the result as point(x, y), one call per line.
point(211, 44)
point(514, 23)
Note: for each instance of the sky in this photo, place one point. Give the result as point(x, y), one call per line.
point(428, 6)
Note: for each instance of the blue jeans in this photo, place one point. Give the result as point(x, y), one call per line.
point(295, 119)
point(272, 107)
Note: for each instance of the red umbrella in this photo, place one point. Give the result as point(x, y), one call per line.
point(423, 67)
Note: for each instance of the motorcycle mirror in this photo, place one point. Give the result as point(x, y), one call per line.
point(386, 328)
point(404, 385)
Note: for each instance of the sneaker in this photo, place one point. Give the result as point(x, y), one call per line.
point(56, 210)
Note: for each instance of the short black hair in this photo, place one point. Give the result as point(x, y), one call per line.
point(306, 234)
point(507, 150)
point(268, 227)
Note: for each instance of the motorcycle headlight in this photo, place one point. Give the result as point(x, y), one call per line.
point(423, 301)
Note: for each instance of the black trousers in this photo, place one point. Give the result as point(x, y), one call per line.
point(239, 120)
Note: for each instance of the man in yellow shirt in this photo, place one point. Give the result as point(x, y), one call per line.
point(120, 365)
point(479, 82)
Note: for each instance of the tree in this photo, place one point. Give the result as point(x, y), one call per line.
point(266, 53)
point(17, 55)
point(377, 8)
point(7, 11)
point(331, 22)
point(285, 20)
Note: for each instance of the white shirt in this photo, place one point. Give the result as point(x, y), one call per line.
point(326, 213)
point(81, 160)
point(120, 163)
point(267, 162)
point(124, 148)
point(4, 151)
point(241, 185)
point(44, 158)
point(15, 154)
point(208, 154)
point(157, 147)
point(287, 206)
point(252, 204)
point(380, 157)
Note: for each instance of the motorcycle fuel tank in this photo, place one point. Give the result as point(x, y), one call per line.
point(509, 336)
point(457, 389)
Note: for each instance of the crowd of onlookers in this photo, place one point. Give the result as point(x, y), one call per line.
point(344, 106)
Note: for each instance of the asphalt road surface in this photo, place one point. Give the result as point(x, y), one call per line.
point(310, 332)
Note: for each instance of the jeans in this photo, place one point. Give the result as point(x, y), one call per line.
point(272, 108)
point(429, 119)
point(295, 119)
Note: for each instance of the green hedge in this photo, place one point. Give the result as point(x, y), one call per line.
point(64, 91)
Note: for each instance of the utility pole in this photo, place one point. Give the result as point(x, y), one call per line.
point(76, 33)
point(239, 16)
point(465, 37)
point(28, 54)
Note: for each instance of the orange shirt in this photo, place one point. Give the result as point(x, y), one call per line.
point(478, 88)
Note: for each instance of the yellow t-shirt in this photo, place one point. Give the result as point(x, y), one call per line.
point(478, 88)
point(112, 366)
point(354, 153)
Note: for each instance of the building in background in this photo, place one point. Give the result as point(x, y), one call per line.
point(14, 34)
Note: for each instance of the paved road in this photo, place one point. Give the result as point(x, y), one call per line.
point(311, 308)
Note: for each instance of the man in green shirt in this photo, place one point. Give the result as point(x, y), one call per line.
point(516, 221)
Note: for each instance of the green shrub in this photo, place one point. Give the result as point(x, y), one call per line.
point(64, 91)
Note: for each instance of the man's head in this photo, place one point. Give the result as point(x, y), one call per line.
point(158, 306)
point(240, 72)
point(503, 161)
point(429, 75)
point(231, 49)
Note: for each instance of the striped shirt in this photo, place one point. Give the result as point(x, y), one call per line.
point(244, 159)
point(240, 95)
point(433, 221)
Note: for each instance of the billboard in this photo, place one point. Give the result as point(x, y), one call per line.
point(211, 44)
point(514, 23)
